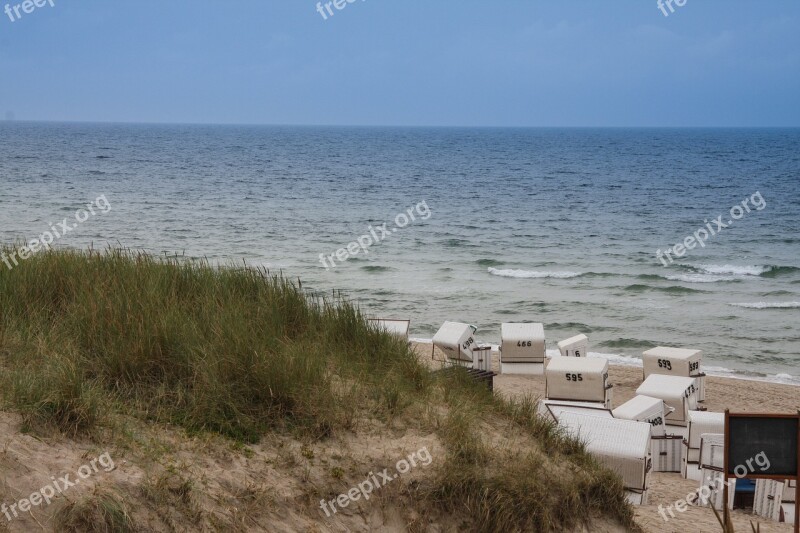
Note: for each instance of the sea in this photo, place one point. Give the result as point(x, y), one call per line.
point(478, 225)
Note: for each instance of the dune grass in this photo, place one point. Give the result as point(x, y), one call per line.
point(550, 485)
point(241, 352)
point(230, 351)
point(98, 513)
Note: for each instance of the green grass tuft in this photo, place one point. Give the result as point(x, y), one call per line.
point(232, 351)
point(95, 513)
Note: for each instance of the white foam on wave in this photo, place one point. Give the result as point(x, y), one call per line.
point(511, 273)
point(768, 305)
point(700, 278)
point(736, 270)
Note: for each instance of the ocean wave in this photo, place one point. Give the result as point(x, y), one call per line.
point(700, 278)
point(768, 305)
point(600, 274)
point(489, 262)
point(577, 326)
point(736, 270)
point(775, 271)
point(375, 268)
point(458, 243)
point(722, 273)
point(767, 271)
point(628, 343)
point(650, 277)
point(674, 289)
point(510, 273)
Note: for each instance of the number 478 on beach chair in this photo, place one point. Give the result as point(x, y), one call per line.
point(457, 341)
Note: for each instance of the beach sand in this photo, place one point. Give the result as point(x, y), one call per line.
point(738, 395)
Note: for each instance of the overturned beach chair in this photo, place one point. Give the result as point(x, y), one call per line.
point(577, 346)
point(457, 341)
point(622, 445)
point(679, 393)
point(522, 348)
point(676, 362)
point(699, 423)
point(552, 409)
point(578, 379)
point(398, 328)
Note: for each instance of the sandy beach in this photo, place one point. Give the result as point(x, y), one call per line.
point(666, 488)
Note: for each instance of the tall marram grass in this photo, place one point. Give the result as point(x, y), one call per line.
point(234, 351)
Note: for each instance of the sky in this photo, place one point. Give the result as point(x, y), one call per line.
point(558, 63)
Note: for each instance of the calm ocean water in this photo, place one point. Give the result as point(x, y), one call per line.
point(558, 226)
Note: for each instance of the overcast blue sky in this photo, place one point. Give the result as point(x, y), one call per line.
point(405, 62)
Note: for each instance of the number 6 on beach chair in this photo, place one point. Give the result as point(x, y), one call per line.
point(577, 346)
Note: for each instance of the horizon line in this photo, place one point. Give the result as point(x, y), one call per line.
point(429, 126)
